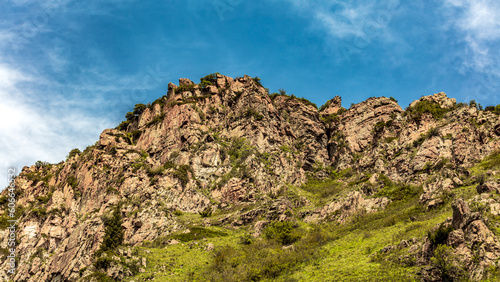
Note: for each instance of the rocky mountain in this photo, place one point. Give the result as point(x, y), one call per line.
point(212, 177)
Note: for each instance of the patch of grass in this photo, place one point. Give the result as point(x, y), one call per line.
point(198, 233)
point(397, 191)
point(323, 190)
point(284, 232)
point(491, 162)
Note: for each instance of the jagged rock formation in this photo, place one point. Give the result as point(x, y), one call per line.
point(223, 142)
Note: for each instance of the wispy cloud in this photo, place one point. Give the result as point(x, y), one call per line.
point(479, 23)
point(49, 103)
point(351, 26)
point(33, 131)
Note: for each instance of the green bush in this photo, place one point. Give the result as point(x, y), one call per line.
point(397, 191)
point(446, 263)
point(204, 84)
point(155, 120)
point(46, 164)
point(123, 125)
point(99, 277)
point(205, 213)
point(246, 239)
point(423, 107)
point(379, 126)
point(257, 81)
point(182, 173)
point(212, 78)
point(440, 236)
point(113, 230)
point(72, 181)
point(284, 232)
point(130, 116)
point(304, 101)
point(184, 88)
point(39, 213)
point(431, 133)
point(139, 109)
point(154, 172)
point(160, 101)
point(253, 113)
point(324, 106)
point(103, 263)
point(73, 153)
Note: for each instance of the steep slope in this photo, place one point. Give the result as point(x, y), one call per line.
point(233, 156)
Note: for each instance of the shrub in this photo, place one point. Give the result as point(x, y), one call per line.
point(324, 106)
point(160, 101)
point(379, 126)
point(473, 103)
point(184, 88)
point(246, 239)
point(206, 213)
point(204, 84)
point(445, 261)
point(39, 213)
point(423, 107)
point(431, 133)
point(284, 232)
point(397, 191)
point(182, 173)
point(103, 262)
point(73, 153)
point(113, 230)
point(253, 113)
point(304, 101)
point(440, 236)
point(123, 125)
point(139, 108)
point(45, 164)
point(212, 78)
point(257, 81)
point(154, 172)
point(71, 180)
point(156, 120)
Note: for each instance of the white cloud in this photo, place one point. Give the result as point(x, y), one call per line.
point(344, 19)
point(479, 23)
point(32, 132)
point(46, 112)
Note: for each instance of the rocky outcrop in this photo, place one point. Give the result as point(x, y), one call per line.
point(439, 98)
point(343, 209)
point(462, 247)
point(332, 106)
point(226, 143)
point(358, 123)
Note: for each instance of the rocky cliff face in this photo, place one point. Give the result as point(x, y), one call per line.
point(225, 143)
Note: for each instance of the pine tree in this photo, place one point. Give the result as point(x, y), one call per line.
point(114, 231)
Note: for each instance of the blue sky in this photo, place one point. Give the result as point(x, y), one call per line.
point(70, 69)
